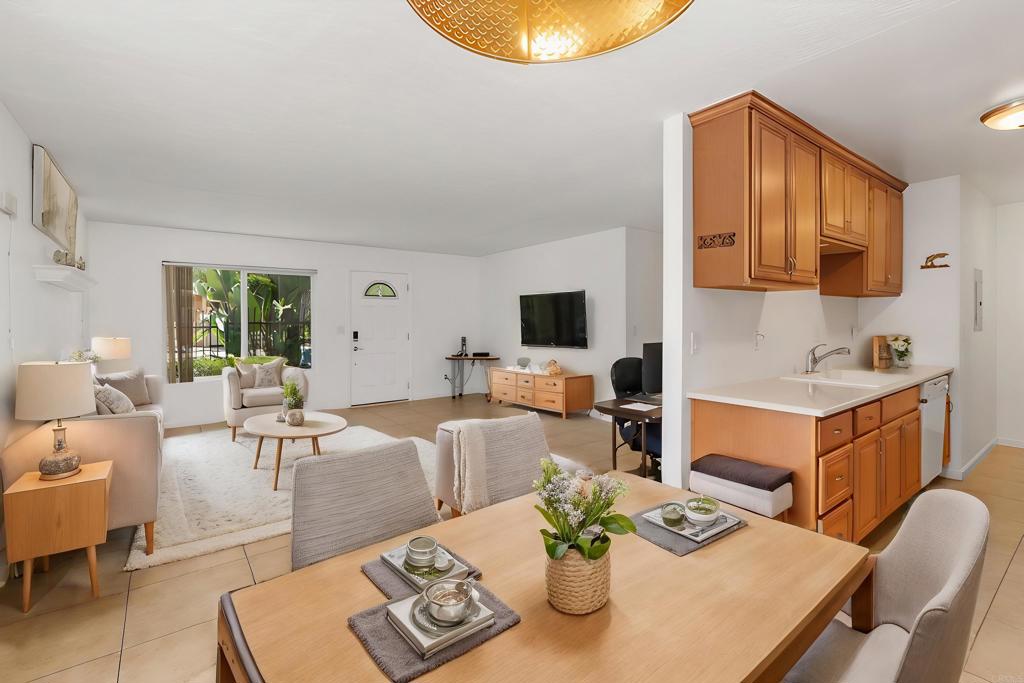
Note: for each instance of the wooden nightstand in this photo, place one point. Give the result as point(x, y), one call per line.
point(47, 517)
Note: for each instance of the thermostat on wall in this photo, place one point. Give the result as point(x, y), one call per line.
point(9, 203)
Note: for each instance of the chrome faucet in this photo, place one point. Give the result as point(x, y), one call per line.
point(813, 359)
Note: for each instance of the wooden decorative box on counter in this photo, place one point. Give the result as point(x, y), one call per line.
point(855, 453)
point(557, 393)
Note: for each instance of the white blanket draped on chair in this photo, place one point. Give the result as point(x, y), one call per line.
point(496, 460)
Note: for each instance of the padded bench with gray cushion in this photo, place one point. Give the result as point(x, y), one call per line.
point(763, 489)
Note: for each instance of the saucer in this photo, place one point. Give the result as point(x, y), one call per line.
point(421, 618)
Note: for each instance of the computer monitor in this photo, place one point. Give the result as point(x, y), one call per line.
point(652, 368)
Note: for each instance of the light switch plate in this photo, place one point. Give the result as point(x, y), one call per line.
point(9, 203)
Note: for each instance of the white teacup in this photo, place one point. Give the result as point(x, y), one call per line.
point(420, 551)
point(450, 601)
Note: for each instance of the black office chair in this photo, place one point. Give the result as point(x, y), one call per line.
point(627, 380)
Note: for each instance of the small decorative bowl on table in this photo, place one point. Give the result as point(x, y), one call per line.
point(702, 511)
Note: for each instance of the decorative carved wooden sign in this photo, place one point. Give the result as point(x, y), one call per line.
point(719, 239)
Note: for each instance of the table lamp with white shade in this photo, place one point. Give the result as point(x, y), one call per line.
point(115, 353)
point(51, 390)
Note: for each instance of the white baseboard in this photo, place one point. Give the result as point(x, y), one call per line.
point(965, 469)
point(1013, 443)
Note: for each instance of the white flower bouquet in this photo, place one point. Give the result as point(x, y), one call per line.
point(580, 512)
point(900, 344)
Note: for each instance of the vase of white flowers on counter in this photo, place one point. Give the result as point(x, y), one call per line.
point(579, 508)
point(900, 344)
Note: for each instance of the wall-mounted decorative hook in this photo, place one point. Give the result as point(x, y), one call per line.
point(930, 261)
point(758, 338)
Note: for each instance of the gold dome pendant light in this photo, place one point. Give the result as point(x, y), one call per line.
point(538, 31)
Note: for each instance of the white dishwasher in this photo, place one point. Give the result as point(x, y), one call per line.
point(933, 426)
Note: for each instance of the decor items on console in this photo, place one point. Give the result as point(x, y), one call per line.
point(578, 573)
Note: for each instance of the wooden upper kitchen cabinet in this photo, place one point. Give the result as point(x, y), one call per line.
point(844, 195)
point(767, 186)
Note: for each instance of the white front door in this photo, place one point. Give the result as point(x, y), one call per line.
point(380, 337)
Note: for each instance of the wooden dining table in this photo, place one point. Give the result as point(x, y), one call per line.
point(744, 608)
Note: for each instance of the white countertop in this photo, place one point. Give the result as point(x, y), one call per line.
point(818, 400)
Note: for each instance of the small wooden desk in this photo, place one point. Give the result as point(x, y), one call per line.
point(44, 517)
point(644, 417)
point(458, 378)
point(315, 426)
point(742, 609)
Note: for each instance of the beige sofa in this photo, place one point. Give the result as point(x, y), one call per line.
point(133, 441)
point(241, 404)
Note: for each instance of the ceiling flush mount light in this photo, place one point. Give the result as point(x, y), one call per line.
point(538, 31)
point(1009, 116)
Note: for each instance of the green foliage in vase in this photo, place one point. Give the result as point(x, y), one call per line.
point(292, 395)
point(580, 512)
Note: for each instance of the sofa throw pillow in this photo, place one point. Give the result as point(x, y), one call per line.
point(114, 401)
point(246, 374)
point(269, 374)
point(131, 383)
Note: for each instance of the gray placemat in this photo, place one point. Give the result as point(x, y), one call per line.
point(671, 541)
point(399, 661)
point(394, 586)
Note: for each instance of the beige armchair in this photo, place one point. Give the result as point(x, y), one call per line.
point(241, 404)
point(133, 441)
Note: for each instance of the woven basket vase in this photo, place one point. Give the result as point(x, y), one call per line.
point(577, 585)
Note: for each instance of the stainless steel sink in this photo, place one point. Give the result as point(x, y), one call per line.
point(865, 379)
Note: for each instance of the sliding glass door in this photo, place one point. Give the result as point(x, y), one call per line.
point(279, 317)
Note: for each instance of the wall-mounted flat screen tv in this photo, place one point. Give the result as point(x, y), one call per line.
point(558, 319)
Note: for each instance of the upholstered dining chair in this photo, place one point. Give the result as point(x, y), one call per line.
point(514, 447)
point(925, 589)
point(345, 501)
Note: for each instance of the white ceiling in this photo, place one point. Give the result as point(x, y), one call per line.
point(352, 121)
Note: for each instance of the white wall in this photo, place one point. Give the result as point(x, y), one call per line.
point(643, 289)
point(128, 302)
point(928, 310)
point(37, 321)
point(977, 382)
point(1010, 331)
point(600, 263)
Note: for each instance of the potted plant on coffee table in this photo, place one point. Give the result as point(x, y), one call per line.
point(578, 573)
point(293, 399)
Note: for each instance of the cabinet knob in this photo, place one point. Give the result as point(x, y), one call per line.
point(840, 477)
point(837, 431)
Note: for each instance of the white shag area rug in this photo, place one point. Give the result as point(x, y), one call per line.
point(211, 498)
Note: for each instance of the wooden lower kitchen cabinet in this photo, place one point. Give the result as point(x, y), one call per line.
point(557, 393)
point(850, 470)
point(867, 484)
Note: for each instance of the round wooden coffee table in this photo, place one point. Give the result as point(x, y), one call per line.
point(315, 426)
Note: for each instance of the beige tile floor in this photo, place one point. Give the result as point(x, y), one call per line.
point(158, 624)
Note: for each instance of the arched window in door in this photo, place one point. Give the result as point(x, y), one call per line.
point(381, 290)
